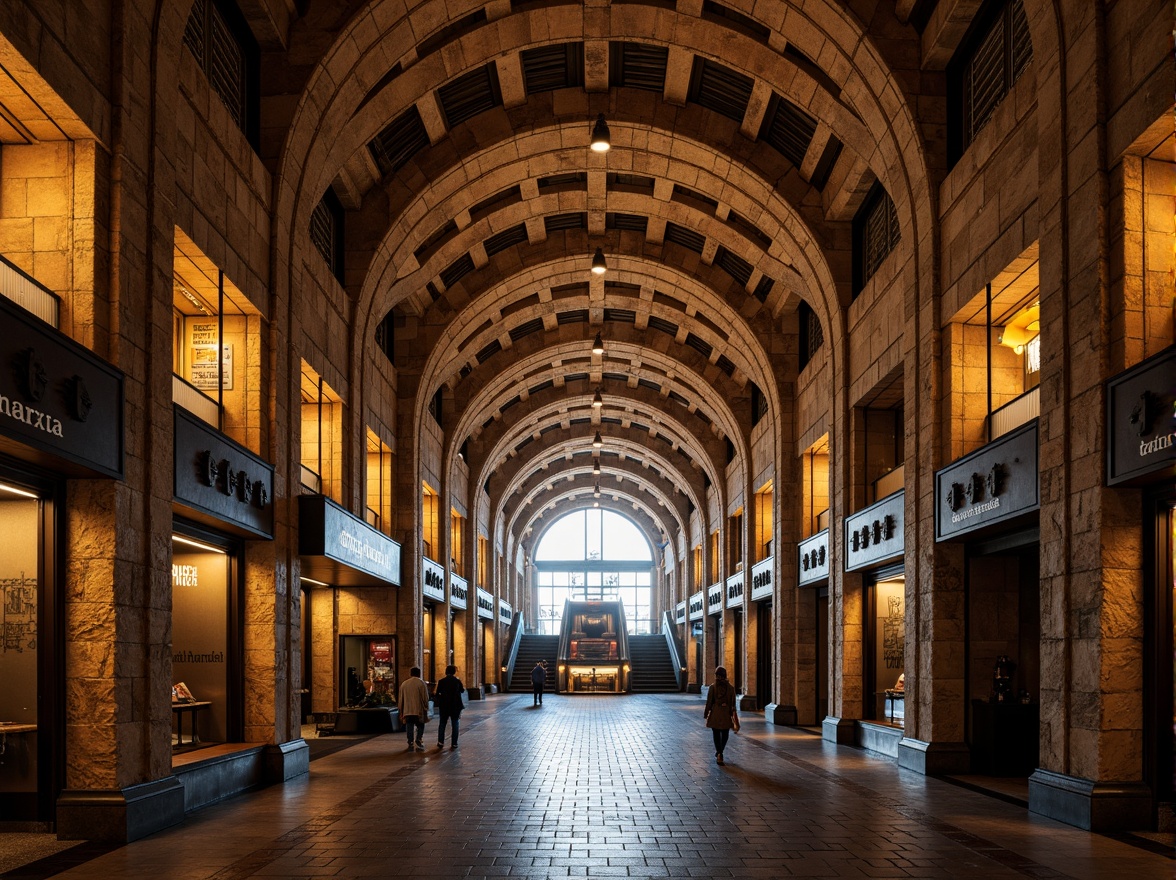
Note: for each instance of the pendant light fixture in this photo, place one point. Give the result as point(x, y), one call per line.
point(598, 344)
point(601, 138)
point(597, 400)
point(596, 441)
point(599, 266)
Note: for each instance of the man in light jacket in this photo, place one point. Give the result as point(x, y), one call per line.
point(413, 704)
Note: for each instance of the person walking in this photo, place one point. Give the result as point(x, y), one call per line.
point(538, 682)
point(720, 714)
point(447, 698)
point(413, 704)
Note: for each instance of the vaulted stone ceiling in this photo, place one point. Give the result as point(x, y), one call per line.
point(744, 137)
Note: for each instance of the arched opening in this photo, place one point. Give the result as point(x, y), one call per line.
point(594, 555)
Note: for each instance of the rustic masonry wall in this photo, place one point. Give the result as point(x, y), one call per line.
point(989, 198)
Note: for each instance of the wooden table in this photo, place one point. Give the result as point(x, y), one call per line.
point(192, 710)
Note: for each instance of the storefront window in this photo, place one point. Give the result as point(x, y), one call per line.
point(202, 645)
point(889, 638)
point(20, 593)
point(369, 667)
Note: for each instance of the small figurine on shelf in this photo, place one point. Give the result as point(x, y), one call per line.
point(1002, 679)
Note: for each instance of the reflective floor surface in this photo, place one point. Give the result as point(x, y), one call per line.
point(616, 786)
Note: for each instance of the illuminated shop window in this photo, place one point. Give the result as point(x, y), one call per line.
point(210, 314)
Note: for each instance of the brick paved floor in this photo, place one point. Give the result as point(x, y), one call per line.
point(598, 786)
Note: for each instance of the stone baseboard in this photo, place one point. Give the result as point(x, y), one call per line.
point(839, 730)
point(1093, 806)
point(747, 703)
point(286, 761)
point(934, 758)
point(784, 716)
point(120, 815)
point(879, 738)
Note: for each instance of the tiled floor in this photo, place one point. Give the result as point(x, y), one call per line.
point(617, 786)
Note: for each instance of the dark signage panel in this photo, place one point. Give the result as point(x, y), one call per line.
point(219, 481)
point(433, 581)
point(996, 484)
point(58, 400)
point(341, 549)
point(875, 534)
point(1141, 422)
point(813, 555)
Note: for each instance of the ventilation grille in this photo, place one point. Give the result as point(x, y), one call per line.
point(400, 140)
point(505, 239)
point(735, 266)
point(489, 351)
point(686, 196)
point(433, 243)
point(574, 316)
point(699, 344)
point(561, 222)
point(639, 66)
point(535, 325)
point(620, 316)
point(880, 234)
point(763, 288)
point(687, 238)
point(469, 95)
point(219, 54)
point(322, 232)
point(568, 180)
point(456, 270)
point(720, 89)
point(627, 222)
point(667, 327)
point(542, 386)
point(724, 364)
point(994, 66)
point(509, 196)
point(788, 129)
point(450, 32)
point(618, 180)
point(748, 229)
point(553, 67)
point(825, 163)
point(737, 21)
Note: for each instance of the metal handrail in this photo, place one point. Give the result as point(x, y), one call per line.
point(669, 631)
point(514, 639)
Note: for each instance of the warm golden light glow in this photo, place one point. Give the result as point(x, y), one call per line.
point(23, 493)
point(599, 266)
point(198, 545)
point(601, 137)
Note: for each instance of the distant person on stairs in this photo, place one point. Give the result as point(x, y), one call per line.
point(720, 713)
point(538, 682)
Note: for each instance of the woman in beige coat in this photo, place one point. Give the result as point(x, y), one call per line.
point(720, 711)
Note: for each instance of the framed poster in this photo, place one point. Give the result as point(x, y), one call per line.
point(202, 358)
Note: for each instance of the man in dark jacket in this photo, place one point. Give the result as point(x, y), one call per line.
point(447, 698)
point(538, 681)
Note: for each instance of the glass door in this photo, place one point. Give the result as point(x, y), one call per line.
point(30, 688)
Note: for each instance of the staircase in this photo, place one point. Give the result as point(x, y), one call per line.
point(533, 648)
point(651, 669)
